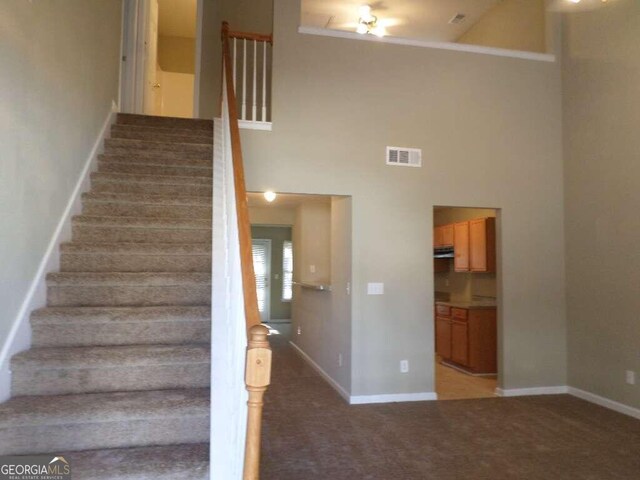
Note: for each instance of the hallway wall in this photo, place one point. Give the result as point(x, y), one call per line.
point(602, 191)
point(59, 75)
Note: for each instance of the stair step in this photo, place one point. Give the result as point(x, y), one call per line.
point(109, 229)
point(70, 370)
point(145, 205)
point(165, 122)
point(141, 169)
point(105, 326)
point(45, 424)
point(135, 257)
point(179, 150)
point(189, 180)
point(128, 289)
point(161, 134)
point(86, 326)
point(155, 160)
point(171, 462)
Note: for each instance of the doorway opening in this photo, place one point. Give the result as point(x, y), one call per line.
point(159, 59)
point(465, 302)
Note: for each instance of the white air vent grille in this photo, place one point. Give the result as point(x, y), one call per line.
point(404, 157)
point(457, 18)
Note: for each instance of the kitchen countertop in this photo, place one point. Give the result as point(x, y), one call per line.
point(469, 304)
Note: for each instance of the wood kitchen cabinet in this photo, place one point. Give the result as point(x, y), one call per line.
point(443, 236)
point(461, 246)
point(443, 337)
point(482, 245)
point(467, 337)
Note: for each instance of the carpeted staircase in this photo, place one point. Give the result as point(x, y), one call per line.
point(118, 374)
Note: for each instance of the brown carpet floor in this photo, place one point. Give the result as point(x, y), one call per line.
point(310, 433)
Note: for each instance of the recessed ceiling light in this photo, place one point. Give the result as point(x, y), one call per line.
point(270, 196)
point(575, 1)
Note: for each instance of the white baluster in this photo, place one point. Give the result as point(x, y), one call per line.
point(244, 80)
point(234, 64)
point(264, 81)
point(255, 69)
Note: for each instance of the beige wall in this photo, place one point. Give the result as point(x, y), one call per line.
point(176, 94)
point(177, 54)
point(321, 320)
point(511, 24)
point(60, 64)
point(602, 149)
point(272, 216)
point(490, 128)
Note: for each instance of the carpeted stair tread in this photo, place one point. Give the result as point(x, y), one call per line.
point(151, 249)
point(141, 169)
point(111, 315)
point(103, 407)
point(171, 122)
point(164, 135)
point(155, 160)
point(104, 279)
point(170, 462)
point(107, 326)
point(142, 222)
point(146, 198)
point(169, 130)
point(179, 149)
point(104, 357)
point(152, 179)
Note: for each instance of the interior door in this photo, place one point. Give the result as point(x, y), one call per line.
point(262, 269)
point(152, 96)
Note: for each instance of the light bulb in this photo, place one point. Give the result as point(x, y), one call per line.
point(269, 196)
point(365, 12)
point(362, 28)
point(575, 1)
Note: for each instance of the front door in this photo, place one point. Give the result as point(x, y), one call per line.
point(262, 269)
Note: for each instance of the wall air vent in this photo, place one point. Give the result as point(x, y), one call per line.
point(457, 18)
point(404, 157)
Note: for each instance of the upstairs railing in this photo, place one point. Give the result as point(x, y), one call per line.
point(250, 59)
point(241, 356)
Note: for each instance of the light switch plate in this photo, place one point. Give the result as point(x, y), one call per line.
point(375, 288)
point(312, 268)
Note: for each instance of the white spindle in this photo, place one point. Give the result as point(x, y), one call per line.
point(244, 80)
point(234, 64)
point(255, 69)
point(264, 81)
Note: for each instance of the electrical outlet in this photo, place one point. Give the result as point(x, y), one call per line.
point(631, 377)
point(339, 359)
point(299, 330)
point(404, 366)
point(312, 268)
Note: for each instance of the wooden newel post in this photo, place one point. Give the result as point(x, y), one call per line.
point(257, 379)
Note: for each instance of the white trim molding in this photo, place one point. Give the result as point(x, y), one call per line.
point(251, 125)
point(605, 402)
point(19, 337)
point(363, 399)
point(338, 388)
point(522, 392)
point(459, 47)
point(393, 398)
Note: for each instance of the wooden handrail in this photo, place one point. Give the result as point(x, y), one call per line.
point(258, 355)
point(258, 37)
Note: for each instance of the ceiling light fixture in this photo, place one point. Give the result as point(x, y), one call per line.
point(575, 1)
point(368, 23)
point(270, 196)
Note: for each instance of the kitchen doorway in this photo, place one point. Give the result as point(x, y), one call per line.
point(466, 300)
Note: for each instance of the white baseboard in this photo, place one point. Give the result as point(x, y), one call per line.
point(605, 402)
point(338, 388)
point(19, 337)
point(393, 398)
point(521, 392)
point(362, 399)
